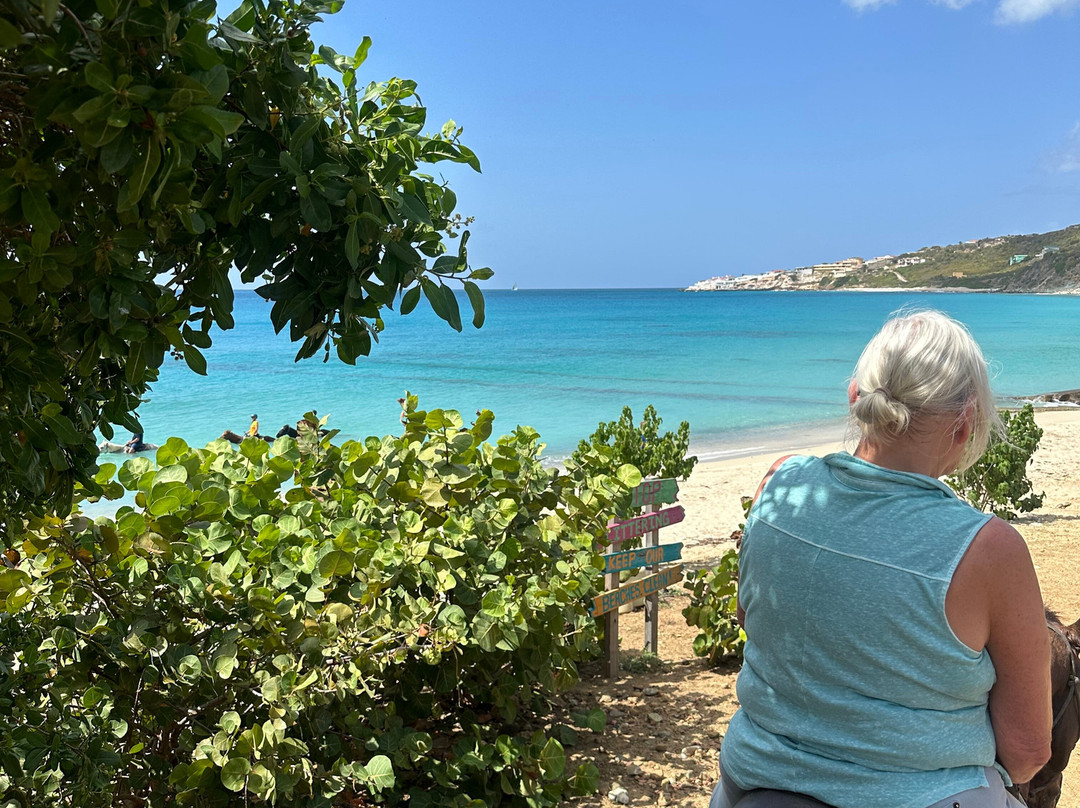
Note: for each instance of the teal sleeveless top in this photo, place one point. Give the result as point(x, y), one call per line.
point(854, 688)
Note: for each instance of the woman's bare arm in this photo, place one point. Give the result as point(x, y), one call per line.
point(994, 602)
point(740, 615)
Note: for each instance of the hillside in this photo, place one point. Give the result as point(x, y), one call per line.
point(1041, 262)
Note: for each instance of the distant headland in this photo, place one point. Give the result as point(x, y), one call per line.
point(1046, 263)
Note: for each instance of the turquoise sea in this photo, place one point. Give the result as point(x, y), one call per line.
point(746, 369)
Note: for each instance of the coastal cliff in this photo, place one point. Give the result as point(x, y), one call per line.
point(1041, 262)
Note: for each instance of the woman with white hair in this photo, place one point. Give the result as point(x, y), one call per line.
point(897, 653)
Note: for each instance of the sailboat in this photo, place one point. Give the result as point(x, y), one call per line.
point(513, 288)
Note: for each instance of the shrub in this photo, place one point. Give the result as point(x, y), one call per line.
point(713, 603)
point(306, 624)
point(618, 443)
point(998, 480)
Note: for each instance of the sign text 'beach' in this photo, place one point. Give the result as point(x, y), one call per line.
point(613, 599)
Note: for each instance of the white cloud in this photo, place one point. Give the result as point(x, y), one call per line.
point(1014, 11)
point(1066, 158)
point(867, 5)
point(1008, 11)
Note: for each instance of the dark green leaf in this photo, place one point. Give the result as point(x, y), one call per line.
point(146, 165)
point(10, 36)
point(449, 201)
point(552, 760)
point(218, 121)
point(99, 77)
point(316, 212)
point(108, 9)
point(352, 245)
point(442, 302)
point(476, 297)
point(415, 209)
point(232, 32)
point(117, 153)
point(49, 10)
point(410, 299)
point(37, 210)
point(195, 360)
point(62, 427)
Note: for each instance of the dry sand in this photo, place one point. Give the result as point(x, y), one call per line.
point(666, 725)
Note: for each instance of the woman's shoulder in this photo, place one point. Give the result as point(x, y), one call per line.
point(786, 462)
point(998, 547)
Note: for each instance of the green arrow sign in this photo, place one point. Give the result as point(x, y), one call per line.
point(655, 492)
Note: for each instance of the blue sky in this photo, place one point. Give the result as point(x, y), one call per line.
point(625, 144)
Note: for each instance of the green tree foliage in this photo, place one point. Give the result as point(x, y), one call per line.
point(642, 445)
point(145, 148)
point(998, 481)
point(307, 624)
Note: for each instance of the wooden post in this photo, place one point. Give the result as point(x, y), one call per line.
point(652, 602)
point(611, 631)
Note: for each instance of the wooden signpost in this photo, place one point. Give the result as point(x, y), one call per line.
point(650, 493)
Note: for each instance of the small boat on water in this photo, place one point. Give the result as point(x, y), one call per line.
point(106, 447)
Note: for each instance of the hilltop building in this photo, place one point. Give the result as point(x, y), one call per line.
point(847, 265)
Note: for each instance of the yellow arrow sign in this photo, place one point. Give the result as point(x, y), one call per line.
point(608, 601)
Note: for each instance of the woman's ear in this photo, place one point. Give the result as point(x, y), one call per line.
point(964, 425)
point(852, 392)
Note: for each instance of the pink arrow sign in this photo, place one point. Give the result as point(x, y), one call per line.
point(640, 525)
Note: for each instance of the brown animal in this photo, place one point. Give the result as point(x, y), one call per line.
point(1044, 790)
point(232, 437)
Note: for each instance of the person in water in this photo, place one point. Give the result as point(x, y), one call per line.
point(897, 654)
point(253, 430)
point(135, 444)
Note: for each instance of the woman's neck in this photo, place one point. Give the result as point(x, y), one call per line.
point(932, 449)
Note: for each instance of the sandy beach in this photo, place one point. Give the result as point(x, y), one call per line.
point(666, 725)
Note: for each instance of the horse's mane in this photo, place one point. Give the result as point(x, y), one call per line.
point(1072, 632)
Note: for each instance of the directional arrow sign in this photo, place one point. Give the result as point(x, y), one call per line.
point(640, 525)
point(655, 492)
point(642, 557)
point(609, 601)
